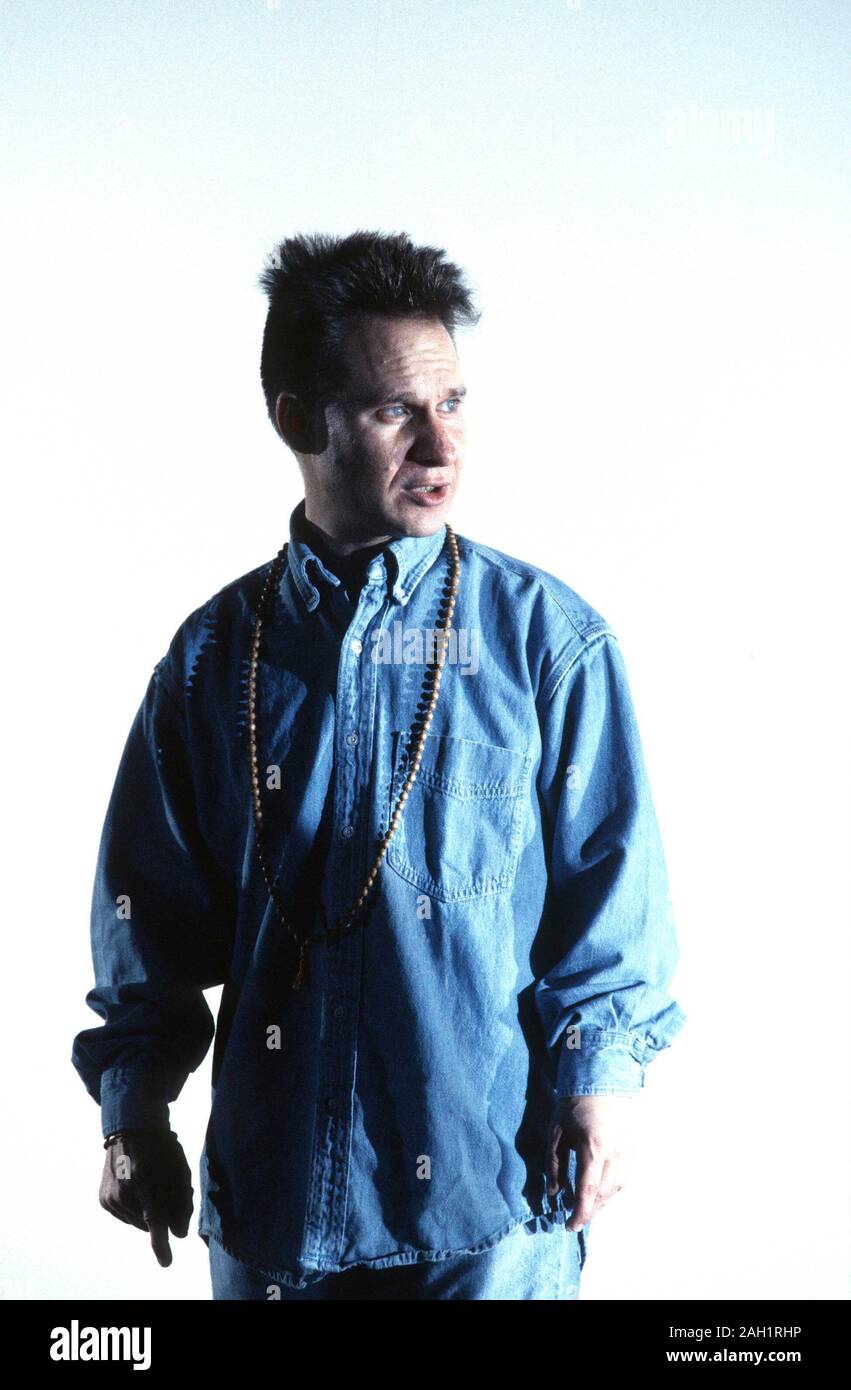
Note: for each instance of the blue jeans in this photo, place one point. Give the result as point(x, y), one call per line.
point(526, 1264)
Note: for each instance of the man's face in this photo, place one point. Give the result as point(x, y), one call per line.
point(397, 428)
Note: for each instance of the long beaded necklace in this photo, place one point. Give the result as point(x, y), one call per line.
point(347, 921)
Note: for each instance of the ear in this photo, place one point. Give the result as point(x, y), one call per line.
point(291, 419)
point(300, 427)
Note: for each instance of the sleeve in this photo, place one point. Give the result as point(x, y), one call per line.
point(609, 941)
point(161, 924)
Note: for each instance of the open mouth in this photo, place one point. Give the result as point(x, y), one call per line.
point(428, 494)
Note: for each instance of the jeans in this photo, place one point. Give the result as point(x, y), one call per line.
point(526, 1264)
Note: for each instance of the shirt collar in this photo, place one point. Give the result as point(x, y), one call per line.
point(411, 556)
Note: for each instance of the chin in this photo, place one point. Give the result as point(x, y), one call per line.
point(423, 526)
point(416, 520)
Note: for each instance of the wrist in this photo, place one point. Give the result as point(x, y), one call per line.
point(121, 1133)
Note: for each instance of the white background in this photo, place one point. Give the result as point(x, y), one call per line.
point(659, 415)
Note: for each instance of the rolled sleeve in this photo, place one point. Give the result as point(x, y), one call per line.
point(600, 1062)
point(131, 1098)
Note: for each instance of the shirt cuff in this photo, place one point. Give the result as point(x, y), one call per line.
point(600, 1062)
point(131, 1098)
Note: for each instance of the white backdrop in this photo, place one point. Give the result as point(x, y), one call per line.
point(651, 200)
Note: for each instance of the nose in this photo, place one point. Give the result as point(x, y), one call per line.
point(436, 441)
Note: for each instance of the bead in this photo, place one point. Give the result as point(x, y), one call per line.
point(432, 676)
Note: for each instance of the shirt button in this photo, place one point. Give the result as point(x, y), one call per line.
point(357, 646)
point(351, 738)
point(340, 1011)
point(348, 832)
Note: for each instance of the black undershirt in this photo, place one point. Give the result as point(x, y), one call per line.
point(351, 568)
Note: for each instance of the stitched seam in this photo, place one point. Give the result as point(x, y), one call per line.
point(468, 790)
point(592, 640)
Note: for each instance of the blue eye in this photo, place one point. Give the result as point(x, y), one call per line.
point(447, 407)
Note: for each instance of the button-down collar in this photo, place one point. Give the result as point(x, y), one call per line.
point(412, 556)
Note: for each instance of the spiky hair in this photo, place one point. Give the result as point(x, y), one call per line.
point(318, 286)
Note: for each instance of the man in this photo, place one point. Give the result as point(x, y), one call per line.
point(389, 791)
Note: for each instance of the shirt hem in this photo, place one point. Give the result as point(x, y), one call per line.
point(312, 1273)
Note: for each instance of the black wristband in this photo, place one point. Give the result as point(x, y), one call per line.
point(120, 1133)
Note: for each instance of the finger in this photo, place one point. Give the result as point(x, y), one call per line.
point(553, 1173)
point(610, 1183)
point(159, 1241)
point(181, 1214)
point(589, 1173)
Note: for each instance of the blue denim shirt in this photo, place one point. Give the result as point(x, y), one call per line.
point(519, 942)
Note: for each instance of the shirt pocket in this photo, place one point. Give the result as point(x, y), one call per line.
point(459, 832)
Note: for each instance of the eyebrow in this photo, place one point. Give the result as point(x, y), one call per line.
point(407, 397)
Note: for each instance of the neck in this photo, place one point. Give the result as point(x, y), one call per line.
point(343, 545)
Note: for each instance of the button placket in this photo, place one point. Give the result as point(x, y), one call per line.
point(330, 1177)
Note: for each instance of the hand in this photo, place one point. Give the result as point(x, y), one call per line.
point(147, 1183)
point(595, 1126)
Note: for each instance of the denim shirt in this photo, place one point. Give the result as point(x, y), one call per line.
point(518, 944)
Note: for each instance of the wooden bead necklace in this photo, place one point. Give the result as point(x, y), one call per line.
point(347, 921)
